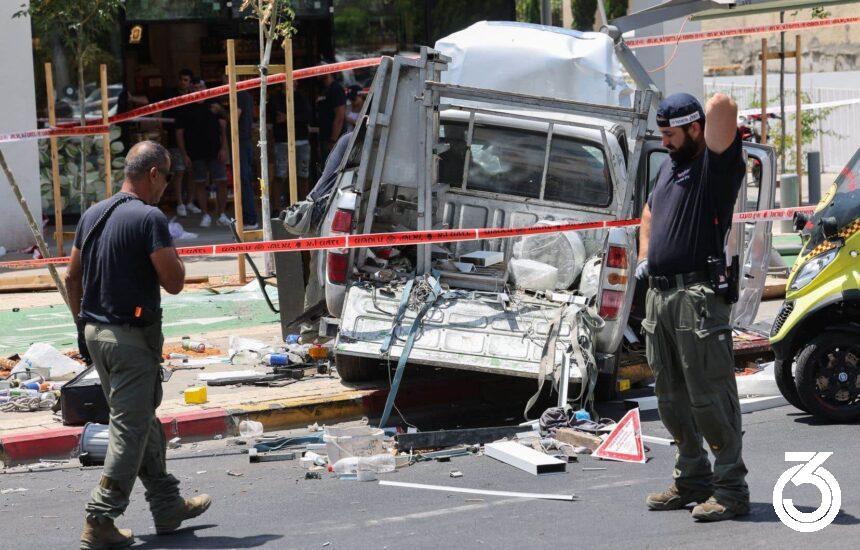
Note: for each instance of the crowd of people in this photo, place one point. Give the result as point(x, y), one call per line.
point(197, 136)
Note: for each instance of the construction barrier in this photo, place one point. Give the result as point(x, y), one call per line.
point(667, 40)
point(400, 238)
point(66, 131)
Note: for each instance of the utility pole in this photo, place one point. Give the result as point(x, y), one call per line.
point(545, 12)
point(782, 96)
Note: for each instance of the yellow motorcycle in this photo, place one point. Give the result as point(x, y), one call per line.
point(816, 336)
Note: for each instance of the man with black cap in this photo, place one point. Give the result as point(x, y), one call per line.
point(688, 333)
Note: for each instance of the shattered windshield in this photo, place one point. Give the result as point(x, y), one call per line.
point(841, 202)
point(511, 161)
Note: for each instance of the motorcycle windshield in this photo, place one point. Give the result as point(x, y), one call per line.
point(842, 202)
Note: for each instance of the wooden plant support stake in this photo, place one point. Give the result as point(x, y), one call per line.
point(291, 121)
point(106, 137)
point(234, 151)
point(55, 161)
point(764, 90)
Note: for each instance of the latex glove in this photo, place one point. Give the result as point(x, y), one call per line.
point(642, 270)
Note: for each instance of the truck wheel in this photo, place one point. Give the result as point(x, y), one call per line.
point(828, 376)
point(356, 369)
point(782, 373)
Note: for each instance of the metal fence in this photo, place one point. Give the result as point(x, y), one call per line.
point(837, 133)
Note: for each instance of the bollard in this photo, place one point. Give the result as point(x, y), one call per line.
point(787, 198)
point(813, 171)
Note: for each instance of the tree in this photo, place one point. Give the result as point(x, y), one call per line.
point(276, 22)
point(528, 11)
point(583, 14)
point(616, 8)
point(78, 24)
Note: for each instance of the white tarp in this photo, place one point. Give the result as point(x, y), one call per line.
point(536, 60)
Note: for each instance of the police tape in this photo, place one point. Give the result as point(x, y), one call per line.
point(665, 40)
point(194, 97)
point(401, 238)
point(94, 130)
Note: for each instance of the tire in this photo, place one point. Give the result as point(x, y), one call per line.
point(822, 361)
point(782, 373)
point(356, 369)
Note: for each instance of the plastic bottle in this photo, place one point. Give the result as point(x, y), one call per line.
point(351, 465)
point(292, 339)
point(276, 359)
point(193, 345)
point(23, 392)
point(250, 428)
point(33, 383)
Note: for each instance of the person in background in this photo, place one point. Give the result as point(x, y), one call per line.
point(277, 117)
point(355, 97)
point(177, 159)
point(331, 114)
point(122, 257)
point(202, 138)
point(246, 159)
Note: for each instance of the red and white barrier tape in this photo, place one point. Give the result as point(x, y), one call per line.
point(370, 240)
point(665, 40)
point(804, 107)
point(94, 130)
point(280, 78)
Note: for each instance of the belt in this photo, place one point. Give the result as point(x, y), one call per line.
point(679, 280)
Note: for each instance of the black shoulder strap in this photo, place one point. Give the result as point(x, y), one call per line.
point(100, 223)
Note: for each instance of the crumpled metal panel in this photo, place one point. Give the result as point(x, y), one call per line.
point(465, 333)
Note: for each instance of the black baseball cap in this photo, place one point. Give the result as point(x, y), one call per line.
point(679, 109)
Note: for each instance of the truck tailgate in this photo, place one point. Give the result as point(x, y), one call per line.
point(475, 334)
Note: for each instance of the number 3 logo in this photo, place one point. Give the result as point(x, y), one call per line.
point(811, 472)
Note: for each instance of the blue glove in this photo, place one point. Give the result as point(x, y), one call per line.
point(642, 270)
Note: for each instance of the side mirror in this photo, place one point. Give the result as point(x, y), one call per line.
point(829, 228)
point(800, 220)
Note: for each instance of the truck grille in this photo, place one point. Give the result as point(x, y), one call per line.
point(784, 312)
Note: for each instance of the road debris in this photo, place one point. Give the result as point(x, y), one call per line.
point(543, 496)
point(524, 458)
point(235, 474)
point(456, 473)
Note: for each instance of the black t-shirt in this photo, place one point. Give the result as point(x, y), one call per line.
point(277, 104)
point(202, 129)
point(176, 114)
point(332, 98)
point(118, 275)
point(683, 206)
point(246, 118)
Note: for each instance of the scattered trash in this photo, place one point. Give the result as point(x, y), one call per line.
point(658, 440)
point(44, 360)
point(8, 491)
point(353, 441)
point(524, 458)
point(174, 443)
point(592, 469)
point(456, 473)
point(350, 467)
point(235, 474)
point(193, 345)
point(250, 428)
point(311, 459)
point(544, 496)
point(195, 395)
point(450, 438)
point(313, 475)
point(255, 456)
point(624, 443)
point(200, 472)
point(475, 500)
point(578, 438)
point(218, 436)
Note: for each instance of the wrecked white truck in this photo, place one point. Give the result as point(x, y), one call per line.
point(437, 152)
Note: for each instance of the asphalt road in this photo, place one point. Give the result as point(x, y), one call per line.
point(272, 505)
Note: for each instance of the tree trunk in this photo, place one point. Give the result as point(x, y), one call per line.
point(266, 40)
point(34, 228)
point(83, 119)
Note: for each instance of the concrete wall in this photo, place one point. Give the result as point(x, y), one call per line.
point(685, 72)
point(17, 113)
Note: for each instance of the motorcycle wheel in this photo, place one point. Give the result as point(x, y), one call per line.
point(828, 376)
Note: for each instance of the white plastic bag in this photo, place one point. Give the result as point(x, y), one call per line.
point(532, 275)
point(45, 360)
point(590, 277)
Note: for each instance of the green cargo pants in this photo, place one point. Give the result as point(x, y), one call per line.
point(128, 363)
point(689, 348)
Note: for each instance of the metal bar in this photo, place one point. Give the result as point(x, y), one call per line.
point(505, 114)
point(524, 458)
point(546, 160)
point(798, 121)
point(467, 158)
point(635, 69)
point(106, 137)
point(623, 114)
point(55, 161)
point(544, 496)
point(234, 151)
point(764, 91)
point(451, 438)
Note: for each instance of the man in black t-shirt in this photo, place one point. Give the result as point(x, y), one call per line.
point(687, 322)
point(331, 114)
point(277, 117)
point(122, 254)
point(177, 160)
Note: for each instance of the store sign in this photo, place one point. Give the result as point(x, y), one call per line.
point(160, 10)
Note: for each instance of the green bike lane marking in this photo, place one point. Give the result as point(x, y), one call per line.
point(189, 313)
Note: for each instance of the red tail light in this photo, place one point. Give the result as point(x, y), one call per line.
point(336, 266)
point(342, 222)
point(617, 257)
point(611, 302)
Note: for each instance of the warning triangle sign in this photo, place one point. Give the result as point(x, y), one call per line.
point(624, 443)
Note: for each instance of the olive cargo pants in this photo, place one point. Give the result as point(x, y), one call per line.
point(689, 348)
point(128, 361)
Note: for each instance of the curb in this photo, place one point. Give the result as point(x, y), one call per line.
point(275, 415)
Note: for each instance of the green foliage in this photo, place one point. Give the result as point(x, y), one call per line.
point(528, 11)
point(819, 12)
point(69, 150)
point(615, 8)
point(584, 14)
point(276, 15)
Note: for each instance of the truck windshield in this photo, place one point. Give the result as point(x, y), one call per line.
point(511, 161)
